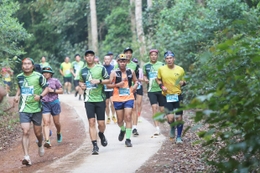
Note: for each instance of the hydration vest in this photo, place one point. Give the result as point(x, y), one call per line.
point(128, 74)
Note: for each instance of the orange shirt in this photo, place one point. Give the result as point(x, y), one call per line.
point(117, 98)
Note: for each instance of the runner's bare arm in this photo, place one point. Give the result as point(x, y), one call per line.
point(82, 85)
point(72, 71)
point(159, 81)
point(145, 79)
point(135, 80)
point(57, 91)
point(61, 72)
point(16, 97)
point(111, 80)
point(44, 92)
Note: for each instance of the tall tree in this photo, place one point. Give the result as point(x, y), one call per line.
point(149, 3)
point(139, 26)
point(94, 32)
point(132, 17)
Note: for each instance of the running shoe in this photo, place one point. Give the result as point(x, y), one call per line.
point(76, 93)
point(128, 143)
point(50, 132)
point(59, 138)
point(172, 133)
point(95, 150)
point(47, 144)
point(103, 139)
point(135, 133)
point(157, 133)
point(26, 161)
point(179, 140)
point(108, 120)
point(121, 135)
point(114, 119)
point(41, 151)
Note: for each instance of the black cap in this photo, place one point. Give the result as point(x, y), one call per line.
point(89, 51)
point(110, 53)
point(127, 49)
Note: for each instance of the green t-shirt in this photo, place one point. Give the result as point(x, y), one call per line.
point(77, 67)
point(44, 64)
point(66, 67)
point(150, 70)
point(30, 85)
point(95, 94)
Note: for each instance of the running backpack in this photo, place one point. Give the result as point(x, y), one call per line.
point(128, 74)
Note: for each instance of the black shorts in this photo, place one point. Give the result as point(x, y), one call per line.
point(140, 91)
point(156, 97)
point(36, 118)
point(170, 106)
point(67, 79)
point(108, 94)
point(95, 108)
point(76, 83)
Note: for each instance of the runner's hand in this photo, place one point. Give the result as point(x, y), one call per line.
point(120, 84)
point(16, 98)
point(164, 89)
point(146, 79)
point(37, 97)
point(95, 81)
point(134, 88)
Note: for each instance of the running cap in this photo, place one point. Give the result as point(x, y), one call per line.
point(153, 50)
point(89, 52)
point(127, 49)
point(168, 53)
point(47, 69)
point(122, 57)
point(135, 60)
point(29, 59)
point(110, 53)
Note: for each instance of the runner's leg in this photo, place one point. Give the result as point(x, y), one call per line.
point(25, 138)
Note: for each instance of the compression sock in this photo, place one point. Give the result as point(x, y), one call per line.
point(179, 130)
point(122, 128)
point(128, 133)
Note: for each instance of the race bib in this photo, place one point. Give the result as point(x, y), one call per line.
point(107, 89)
point(27, 90)
point(124, 92)
point(89, 85)
point(67, 72)
point(153, 75)
point(172, 98)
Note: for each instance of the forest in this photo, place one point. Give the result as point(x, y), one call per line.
point(217, 42)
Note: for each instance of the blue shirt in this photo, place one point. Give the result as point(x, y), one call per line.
point(109, 68)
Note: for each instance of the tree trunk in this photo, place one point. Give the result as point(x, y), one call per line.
point(139, 27)
point(89, 33)
point(94, 32)
point(132, 15)
point(149, 3)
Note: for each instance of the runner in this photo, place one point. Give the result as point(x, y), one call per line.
point(113, 61)
point(139, 92)
point(43, 62)
point(76, 67)
point(133, 66)
point(170, 79)
point(109, 92)
point(65, 71)
point(32, 87)
point(155, 96)
point(7, 73)
point(123, 97)
point(92, 78)
point(51, 106)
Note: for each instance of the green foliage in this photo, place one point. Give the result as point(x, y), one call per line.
point(11, 31)
point(226, 80)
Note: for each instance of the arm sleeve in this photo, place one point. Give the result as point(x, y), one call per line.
point(43, 81)
point(104, 73)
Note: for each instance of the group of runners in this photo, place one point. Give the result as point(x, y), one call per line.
point(112, 90)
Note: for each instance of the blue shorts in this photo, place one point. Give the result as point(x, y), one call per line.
point(9, 83)
point(122, 105)
point(51, 107)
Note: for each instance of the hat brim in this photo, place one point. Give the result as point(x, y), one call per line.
point(128, 50)
point(89, 52)
point(47, 71)
point(121, 59)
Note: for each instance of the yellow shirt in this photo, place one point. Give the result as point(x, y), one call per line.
point(65, 67)
point(171, 78)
